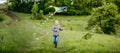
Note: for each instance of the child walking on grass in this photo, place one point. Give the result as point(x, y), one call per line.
point(56, 29)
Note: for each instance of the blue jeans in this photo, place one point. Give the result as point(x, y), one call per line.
point(55, 40)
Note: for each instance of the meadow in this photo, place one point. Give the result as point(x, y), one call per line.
point(26, 37)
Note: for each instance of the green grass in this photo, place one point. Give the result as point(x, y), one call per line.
point(70, 39)
point(6, 21)
point(17, 38)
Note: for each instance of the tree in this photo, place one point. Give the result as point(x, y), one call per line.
point(24, 6)
point(104, 19)
point(35, 10)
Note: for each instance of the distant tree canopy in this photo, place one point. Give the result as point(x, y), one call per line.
point(75, 7)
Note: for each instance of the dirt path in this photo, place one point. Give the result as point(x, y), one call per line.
point(10, 14)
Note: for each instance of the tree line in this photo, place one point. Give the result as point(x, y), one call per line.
point(104, 13)
point(75, 7)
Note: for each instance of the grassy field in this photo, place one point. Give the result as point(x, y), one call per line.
point(37, 40)
point(71, 41)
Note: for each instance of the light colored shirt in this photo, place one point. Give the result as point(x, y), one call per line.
point(56, 29)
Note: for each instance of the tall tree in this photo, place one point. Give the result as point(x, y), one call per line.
point(35, 10)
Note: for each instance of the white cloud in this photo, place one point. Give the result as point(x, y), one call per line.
point(3, 1)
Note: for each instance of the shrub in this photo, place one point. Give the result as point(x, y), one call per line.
point(47, 10)
point(40, 15)
point(2, 15)
point(105, 18)
point(87, 36)
point(117, 27)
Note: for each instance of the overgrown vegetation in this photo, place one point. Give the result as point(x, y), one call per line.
point(104, 19)
point(2, 15)
point(40, 15)
point(17, 38)
point(4, 20)
point(87, 36)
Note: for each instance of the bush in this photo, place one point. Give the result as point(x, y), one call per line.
point(40, 15)
point(117, 27)
point(47, 10)
point(105, 18)
point(2, 15)
point(87, 36)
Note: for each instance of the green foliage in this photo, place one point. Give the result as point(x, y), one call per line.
point(12, 6)
point(2, 16)
point(59, 3)
point(47, 10)
point(117, 27)
point(35, 10)
point(95, 3)
point(99, 30)
point(87, 36)
point(80, 4)
point(117, 2)
point(79, 7)
point(40, 15)
point(105, 18)
point(4, 20)
point(48, 3)
point(36, 15)
point(21, 7)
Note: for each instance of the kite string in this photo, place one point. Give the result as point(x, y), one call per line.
point(40, 27)
point(46, 20)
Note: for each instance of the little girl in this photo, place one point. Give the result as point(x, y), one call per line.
point(56, 29)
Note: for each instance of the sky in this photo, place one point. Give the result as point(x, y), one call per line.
point(2, 1)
